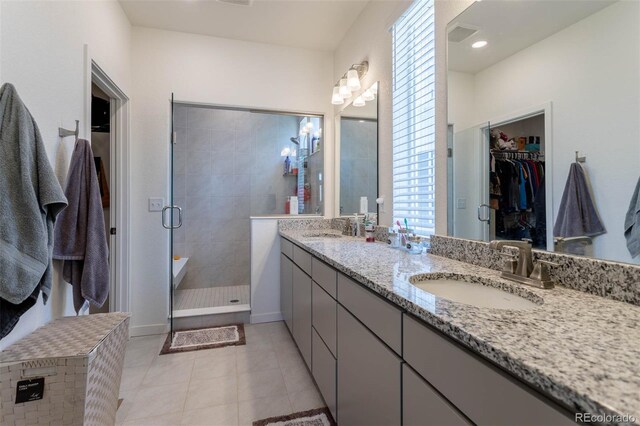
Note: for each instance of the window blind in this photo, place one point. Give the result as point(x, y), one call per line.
point(414, 117)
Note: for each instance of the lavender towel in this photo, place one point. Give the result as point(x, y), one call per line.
point(577, 215)
point(80, 236)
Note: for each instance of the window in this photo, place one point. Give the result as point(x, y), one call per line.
point(414, 117)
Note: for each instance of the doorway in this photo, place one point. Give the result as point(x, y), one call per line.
point(102, 148)
point(107, 118)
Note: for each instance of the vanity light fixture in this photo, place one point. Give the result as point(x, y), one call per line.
point(336, 98)
point(374, 88)
point(350, 81)
point(479, 44)
point(358, 102)
point(368, 95)
point(345, 92)
point(353, 80)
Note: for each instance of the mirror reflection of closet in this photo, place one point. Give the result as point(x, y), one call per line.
point(357, 152)
point(551, 77)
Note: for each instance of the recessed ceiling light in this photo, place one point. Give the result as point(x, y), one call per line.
point(478, 44)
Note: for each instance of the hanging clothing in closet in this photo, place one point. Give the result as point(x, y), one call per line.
point(515, 183)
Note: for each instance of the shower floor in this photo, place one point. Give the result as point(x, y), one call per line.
point(212, 297)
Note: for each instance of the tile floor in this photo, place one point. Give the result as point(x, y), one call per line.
point(211, 297)
point(235, 385)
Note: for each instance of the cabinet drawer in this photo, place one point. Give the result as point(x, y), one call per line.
point(286, 247)
point(324, 316)
point(302, 259)
point(381, 317)
point(324, 275)
point(421, 403)
point(324, 372)
point(301, 313)
point(369, 376)
point(485, 394)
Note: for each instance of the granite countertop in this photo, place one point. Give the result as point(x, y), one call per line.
point(580, 349)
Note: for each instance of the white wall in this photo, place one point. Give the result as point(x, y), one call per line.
point(42, 55)
point(369, 39)
point(265, 270)
point(589, 73)
point(461, 101)
point(208, 70)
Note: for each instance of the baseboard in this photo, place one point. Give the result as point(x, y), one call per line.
point(146, 330)
point(270, 317)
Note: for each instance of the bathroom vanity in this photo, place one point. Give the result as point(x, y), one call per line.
point(383, 351)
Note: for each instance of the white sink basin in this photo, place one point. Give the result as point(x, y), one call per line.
point(475, 294)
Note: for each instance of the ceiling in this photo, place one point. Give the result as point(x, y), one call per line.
point(312, 24)
point(510, 26)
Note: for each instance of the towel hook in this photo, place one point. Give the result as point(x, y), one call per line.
point(63, 133)
point(580, 159)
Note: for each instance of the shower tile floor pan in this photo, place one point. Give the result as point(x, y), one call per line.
point(212, 297)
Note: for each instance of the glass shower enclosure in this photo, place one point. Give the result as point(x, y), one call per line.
point(227, 165)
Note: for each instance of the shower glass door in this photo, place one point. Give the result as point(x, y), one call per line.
point(172, 218)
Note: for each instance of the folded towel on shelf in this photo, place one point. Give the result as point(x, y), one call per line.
point(577, 215)
point(80, 236)
point(632, 223)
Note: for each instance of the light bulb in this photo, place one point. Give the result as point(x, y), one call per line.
point(345, 92)
point(368, 95)
point(353, 81)
point(309, 125)
point(336, 98)
point(358, 102)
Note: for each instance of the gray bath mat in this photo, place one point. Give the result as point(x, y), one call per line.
point(317, 417)
point(204, 338)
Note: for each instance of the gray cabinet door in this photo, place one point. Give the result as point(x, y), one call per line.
point(286, 290)
point(324, 316)
point(421, 404)
point(302, 312)
point(369, 376)
point(324, 371)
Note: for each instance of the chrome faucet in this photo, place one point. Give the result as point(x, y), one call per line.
point(523, 270)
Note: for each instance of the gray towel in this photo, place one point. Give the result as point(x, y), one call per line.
point(632, 223)
point(30, 201)
point(578, 215)
point(80, 237)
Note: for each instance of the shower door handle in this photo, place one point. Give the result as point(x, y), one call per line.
point(486, 218)
point(170, 225)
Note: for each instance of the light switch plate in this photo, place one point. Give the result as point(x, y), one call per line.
point(156, 204)
point(462, 203)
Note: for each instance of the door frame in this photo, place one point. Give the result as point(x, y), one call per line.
point(546, 109)
point(119, 288)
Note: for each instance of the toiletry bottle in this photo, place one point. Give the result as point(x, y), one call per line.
point(369, 230)
point(287, 165)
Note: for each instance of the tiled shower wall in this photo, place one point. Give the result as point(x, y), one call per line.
point(358, 164)
point(227, 167)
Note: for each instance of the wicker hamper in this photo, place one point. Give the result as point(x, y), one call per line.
point(80, 359)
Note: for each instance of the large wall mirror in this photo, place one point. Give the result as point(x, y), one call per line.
point(357, 155)
point(540, 91)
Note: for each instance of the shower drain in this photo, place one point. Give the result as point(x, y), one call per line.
point(233, 301)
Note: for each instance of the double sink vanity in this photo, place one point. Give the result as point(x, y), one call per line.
point(393, 338)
